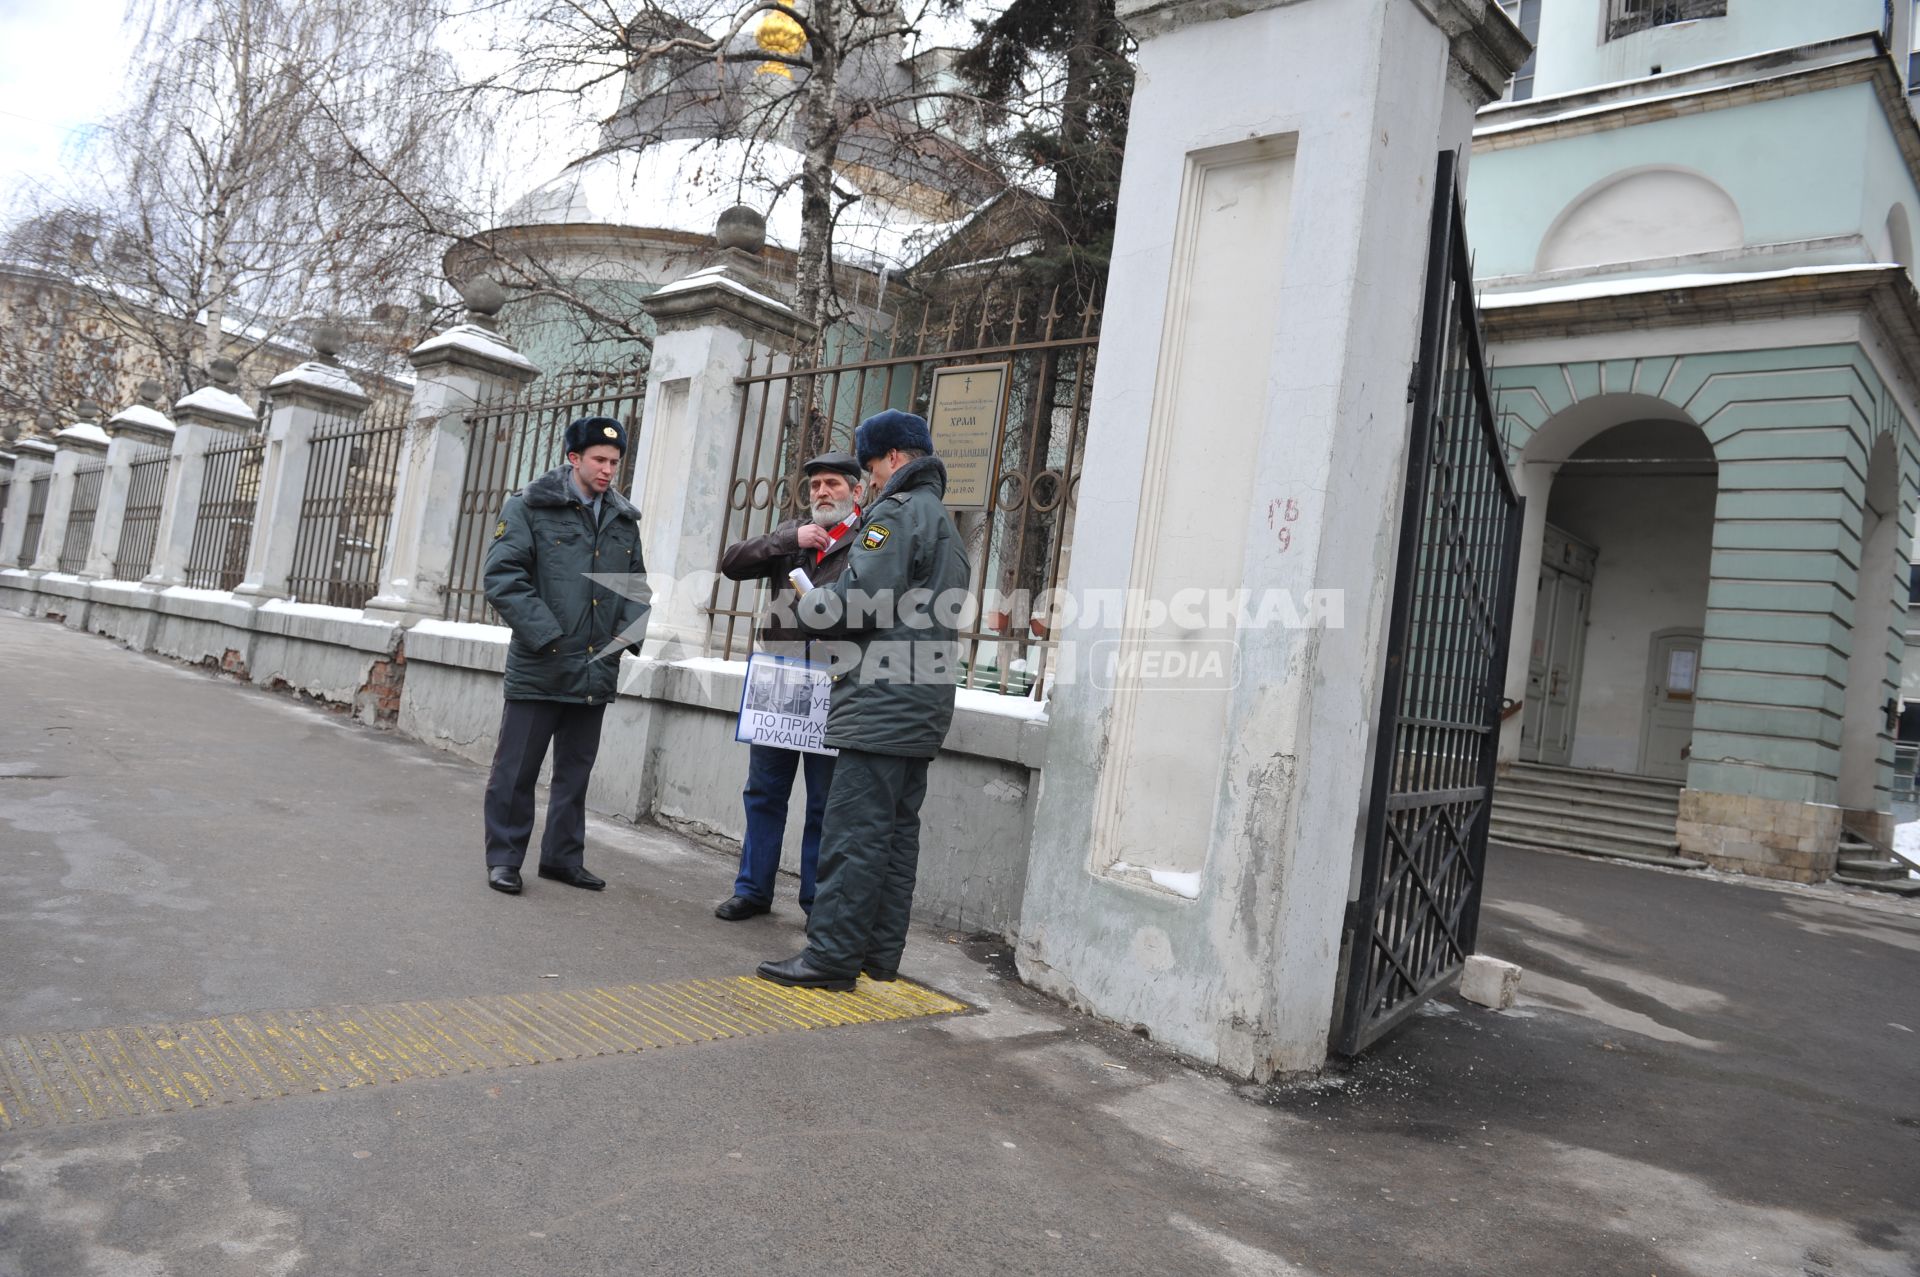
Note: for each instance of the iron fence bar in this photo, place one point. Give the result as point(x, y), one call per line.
point(36, 518)
point(80, 516)
point(140, 523)
point(1388, 757)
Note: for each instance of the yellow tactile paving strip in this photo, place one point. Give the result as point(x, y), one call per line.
point(89, 1075)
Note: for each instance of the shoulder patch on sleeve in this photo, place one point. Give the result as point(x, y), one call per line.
point(874, 538)
point(499, 529)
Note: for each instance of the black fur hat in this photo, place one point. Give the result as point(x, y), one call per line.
point(587, 431)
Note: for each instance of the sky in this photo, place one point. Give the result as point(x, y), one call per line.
point(60, 65)
point(63, 68)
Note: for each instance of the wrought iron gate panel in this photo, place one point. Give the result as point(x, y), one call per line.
point(1437, 739)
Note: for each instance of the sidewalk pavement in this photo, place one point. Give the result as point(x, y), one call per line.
point(1705, 1076)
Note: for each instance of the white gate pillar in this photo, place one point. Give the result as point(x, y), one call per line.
point(302, 398)
point(32, 458)
point(130, 432)
point(709, 324)
point(82, 441)
point(469, 364)
point(1206, 784)
point(204, 417)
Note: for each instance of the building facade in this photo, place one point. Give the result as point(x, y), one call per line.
point(1693, 222)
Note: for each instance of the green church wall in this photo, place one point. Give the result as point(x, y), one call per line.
point(1792, 430)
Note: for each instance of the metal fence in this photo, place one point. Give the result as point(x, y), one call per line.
point(346, 506)
point(514, 440)
point(146, 490)
point(36, 518)
point(223, 529)
point(1014, 467)
point(1415, 918)
point(80, 515)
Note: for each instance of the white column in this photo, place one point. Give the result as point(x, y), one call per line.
point(130, 432)
point(33, 458)
point(708, 324)
point(302, 397)
point(1194, 840)
point(204, 417)
point(84, 440)
point(469, 364)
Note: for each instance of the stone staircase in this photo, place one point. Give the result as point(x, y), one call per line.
point(1592, 813)
point(1864, 865)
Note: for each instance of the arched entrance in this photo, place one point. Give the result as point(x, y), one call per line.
point(1624, 487)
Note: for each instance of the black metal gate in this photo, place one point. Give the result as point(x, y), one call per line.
point(1413, 925)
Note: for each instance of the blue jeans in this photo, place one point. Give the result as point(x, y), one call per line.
point(769, 783)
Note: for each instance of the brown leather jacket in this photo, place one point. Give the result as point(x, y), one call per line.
point(770, 558)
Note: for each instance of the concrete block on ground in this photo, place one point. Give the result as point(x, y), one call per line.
point(1490, 982)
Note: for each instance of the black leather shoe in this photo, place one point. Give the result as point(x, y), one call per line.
point(504, 878)
point(797, 973)
point(734, 908)
point(875, 973)
point(574, 878)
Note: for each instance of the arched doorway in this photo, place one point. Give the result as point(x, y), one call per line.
point(1626, 488)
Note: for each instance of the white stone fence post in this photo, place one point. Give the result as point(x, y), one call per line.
point(709, 325)
point(81, 442)
point(302, 398)
point(130, 432)
point(203, 418)
point(33, 458)
point(467, 365)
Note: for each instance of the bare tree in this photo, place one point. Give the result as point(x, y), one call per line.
point(825, 80)
point(232, 195)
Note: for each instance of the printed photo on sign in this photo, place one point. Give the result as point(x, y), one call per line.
point(784, 704)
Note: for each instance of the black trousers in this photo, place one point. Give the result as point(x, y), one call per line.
point(869, 860)
point(526, 728)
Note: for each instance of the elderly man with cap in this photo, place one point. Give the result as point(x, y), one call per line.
point(565, 573)
point(892, 607)
point(816, 543)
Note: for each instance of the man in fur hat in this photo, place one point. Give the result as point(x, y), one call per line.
point(565, 573)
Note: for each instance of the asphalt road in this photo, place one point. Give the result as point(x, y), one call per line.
point(1705, 1077)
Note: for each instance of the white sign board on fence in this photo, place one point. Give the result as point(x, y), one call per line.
point(784, 704)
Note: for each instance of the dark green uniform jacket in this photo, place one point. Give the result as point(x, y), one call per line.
point(568, 630)
point(906, 556)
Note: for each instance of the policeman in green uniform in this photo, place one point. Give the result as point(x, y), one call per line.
point(565, 573)
point(892, 703)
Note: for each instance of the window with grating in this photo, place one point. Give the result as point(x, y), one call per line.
point(1526, 16)
point(1624, 17)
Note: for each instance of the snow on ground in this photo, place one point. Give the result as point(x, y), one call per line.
point(1906, 841)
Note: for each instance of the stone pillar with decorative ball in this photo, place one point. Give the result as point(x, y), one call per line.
point(79, 443)
point(201, 419)
point(302, 397)
point(130, 432)
point(469, 364)
point(709, 324)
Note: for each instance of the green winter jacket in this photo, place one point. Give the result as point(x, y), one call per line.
point(568, 629)
point(895, 661)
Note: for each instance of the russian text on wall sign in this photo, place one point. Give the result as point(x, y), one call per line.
point(964, 420)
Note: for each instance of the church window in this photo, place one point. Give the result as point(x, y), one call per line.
point(1526, 16)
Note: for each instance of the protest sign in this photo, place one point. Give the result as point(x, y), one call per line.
point(784, 704)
